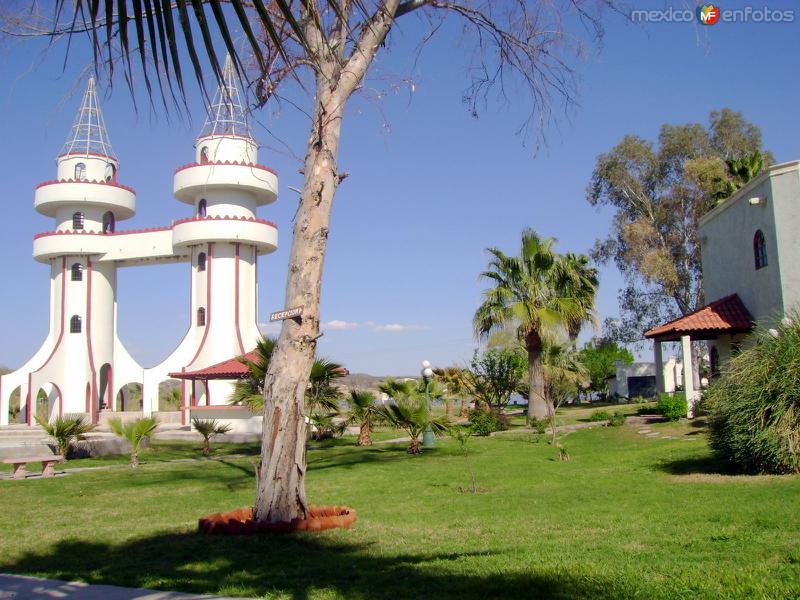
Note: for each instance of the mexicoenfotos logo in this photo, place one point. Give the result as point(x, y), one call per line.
point(708, 14)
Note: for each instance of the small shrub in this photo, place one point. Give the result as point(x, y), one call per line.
point(617, 419)
point(600, 415)
point(484, 423)
point(539, 425)
point(672, 407)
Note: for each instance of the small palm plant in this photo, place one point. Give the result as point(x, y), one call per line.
point(66, 431)
point(412, 416)
point(134, 432)
point(364, 413)
point(208, 429)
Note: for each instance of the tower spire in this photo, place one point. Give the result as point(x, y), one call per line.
point(226, 113)
point(88, 134)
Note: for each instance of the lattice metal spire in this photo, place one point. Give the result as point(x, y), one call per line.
point(88, 134)
point(227, 114)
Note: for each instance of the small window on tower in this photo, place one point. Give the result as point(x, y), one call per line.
point(75, 324)
point(201, 261)
point(109, 222)
point(201, 317)
point(760, 250)
point(204, 155)
point(77, 272)
point(202, 206)
point(77, 220)
point(80, 172)
point(111, 172)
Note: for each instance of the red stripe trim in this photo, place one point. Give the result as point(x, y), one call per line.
point(92, 181)
point(28, 412)
point(226, 135)
point(225, 163)
point(236, 300)
point(87, 154)
point(63, 299)
point(89, 338)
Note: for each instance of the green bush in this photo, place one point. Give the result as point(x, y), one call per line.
point(539, 425)
point(600, 415)
point(617, 419)
point(484, 423)
point(672, 407)
point(754, 407)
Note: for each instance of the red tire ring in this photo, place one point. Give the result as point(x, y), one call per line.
point(240, 521)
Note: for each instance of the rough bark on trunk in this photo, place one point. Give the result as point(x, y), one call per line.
point(450, 407)
point(414, 447)
point(206, 447)
point(134, 460)
point(537, 402)
point(365, 435)
point(280, 494)
point(464, 413)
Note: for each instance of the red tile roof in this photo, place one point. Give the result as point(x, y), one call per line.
point(227, 369)
point(232, 368)
point(726, 315)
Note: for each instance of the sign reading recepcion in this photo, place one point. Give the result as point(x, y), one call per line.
point(296, 314)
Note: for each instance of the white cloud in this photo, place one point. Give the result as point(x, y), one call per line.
point(270, 328)
point(396, 327)
point(341, 325)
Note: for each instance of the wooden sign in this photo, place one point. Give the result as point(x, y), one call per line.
point(289, 313)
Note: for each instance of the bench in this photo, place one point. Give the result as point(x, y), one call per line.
point(21, 462)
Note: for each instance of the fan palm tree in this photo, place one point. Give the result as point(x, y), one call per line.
point(580, 281)
point(209, 428)
point(66, 431)
point(412, 416)
point(453, 387)
point(364, 413)
point(320, 393)
point(534, 293)
point(134, 432)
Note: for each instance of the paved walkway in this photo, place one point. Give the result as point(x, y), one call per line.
point(18, 587)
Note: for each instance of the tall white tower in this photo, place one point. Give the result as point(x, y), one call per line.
point(224, 237)
point(86, 202)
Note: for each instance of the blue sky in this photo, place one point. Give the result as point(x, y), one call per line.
point(430, 186)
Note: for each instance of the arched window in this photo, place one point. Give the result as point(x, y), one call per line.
point(759, 250)
point(204, 155)
point(77, 272)
point(201, 317)
point(202, 206)
point(109, 222)
point(80, 172)
point(77, 220)
point(111, 172)
point(201, 261)
point(75, 324)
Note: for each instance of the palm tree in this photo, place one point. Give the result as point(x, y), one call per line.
point(208, 429)
point(454, 387)
point(412, 416)
point(66, 431)
point(320, 392)
point(134, 432)
point(580, 283)
point(532, 292)
point(364, 413)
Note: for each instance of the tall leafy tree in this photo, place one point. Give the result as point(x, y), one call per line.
point(600, 357)
point(532, 293)
point(496, 375)
point(658, 191)
point(316, 55)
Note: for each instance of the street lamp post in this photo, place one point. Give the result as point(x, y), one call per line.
point(428, 439)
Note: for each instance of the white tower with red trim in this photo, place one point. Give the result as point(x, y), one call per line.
point(224, 186)
point(82, 366)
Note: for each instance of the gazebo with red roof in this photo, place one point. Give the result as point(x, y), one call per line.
point(724, 317)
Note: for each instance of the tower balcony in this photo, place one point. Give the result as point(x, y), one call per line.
point(192, 180)
point(59, 243)
point(108, 195)
point(200, 230)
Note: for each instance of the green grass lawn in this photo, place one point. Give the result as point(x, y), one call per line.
point(627, 517)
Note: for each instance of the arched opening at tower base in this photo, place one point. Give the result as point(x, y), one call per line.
point(104, 395)
point(48, 403)
point(129, 398)
point(16, 414)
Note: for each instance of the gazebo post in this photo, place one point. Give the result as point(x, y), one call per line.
point(688, 374)
point(659, 360)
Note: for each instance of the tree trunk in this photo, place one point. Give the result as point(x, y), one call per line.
point(365, 435)
point(537, 402)
point(281, 495)
point(450, 407)
point(134, 460)
point(464, 413)
point(414, 447)
point(206, 447)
